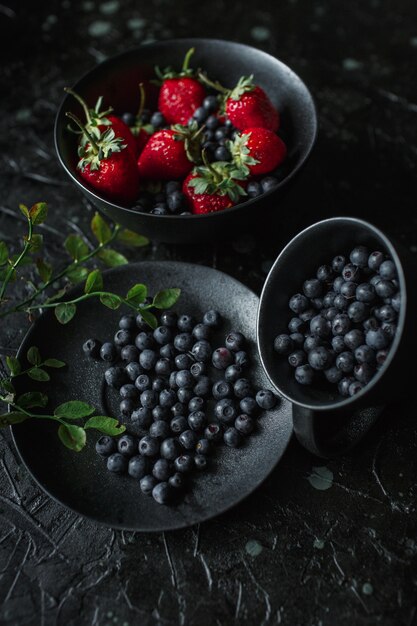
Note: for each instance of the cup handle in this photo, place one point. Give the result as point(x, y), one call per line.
point(328, 434)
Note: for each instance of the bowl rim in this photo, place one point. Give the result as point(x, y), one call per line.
point(192, 41)
point(386, 241)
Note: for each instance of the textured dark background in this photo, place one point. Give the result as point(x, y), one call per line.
point(291, 554)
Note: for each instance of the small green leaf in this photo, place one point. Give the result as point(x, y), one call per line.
point(111, 258)
point(14, 417)
point(14, 365)
point(38, 213)
point(74, 410)
point(23, 208)
point(37, 373)
point(59, 294)
point(73, 437)
point(8, 386)
point(77, 274)
point(65, 311)
point(130, 238)
point(137, 294)
point(26, 260)
point(33, 356)
point(106, 425)
point(4, 253)
point(101, 229)
point(166, 298)
point(76, 247)
point(32, 399)
point(149, 318)
point(111, 301)
point(36, 243)
point(44, 270)
point(55, 363)
point(94, 282)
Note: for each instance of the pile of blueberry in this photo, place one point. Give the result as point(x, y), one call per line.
point(170, 392)
point(344, 321)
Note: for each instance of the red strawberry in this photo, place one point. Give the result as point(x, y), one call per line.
point(170, 153)
point(106, 164)
point(180, 94)
point(213, 187)
point(258, 150)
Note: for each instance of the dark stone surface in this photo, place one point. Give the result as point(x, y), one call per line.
point(290, 554)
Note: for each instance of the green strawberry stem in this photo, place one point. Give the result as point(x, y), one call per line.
point(216, 175)
point(91, 139)
point(187, 58)
point(213, 84)
point(96, 111)
point(81, 101)
point(142, 101)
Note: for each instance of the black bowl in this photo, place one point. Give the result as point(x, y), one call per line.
point(116, 79)
point(299, 260)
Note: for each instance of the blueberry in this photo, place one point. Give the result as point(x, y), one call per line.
point(225, 410)
point(364, 372)
point(177, 481)
point(298, 339)
point(337, 284)
point(161, 413)
point(320, 327)
point(184, 378)
point(386, 313)
point(341, 302)
point(319, 358)
point(144, 341)
point(184, 395)
point(178, 409)
point(375, 279)
point(244, 424)
point(127, 322)
point(149, 398)
point(128, 118)
point(297, 325)
point(175, 201)
point(196, 404)
point(197, 420)
point(172, 381)
point(235, 341)
point(198, 369)
point(127, 407)
point(128, 391)
point(243, 388)
point(249, 406)
point(178, 424)
point(242, 358)
point(168, 351)
point(200, 114)
point(105, 446)
point(133, 370)
point(184, 342)
point(254, 189)
point(213, 432)
point(203, 446)
point(385, 288)
point(306, 316)
point(163, 367)
point(142, 417)
point(170, 449)
point(396, 302)
point(371, 324)
point(117, 463)
point(348, 290)
point(127, 445)
point(358, 311)
point(381, 356)
point(325, 273)
point(143, 382)
point(122, 338)
point(212, 318)
point(387, 270)
point(188, 439)
point(157, 120)
point(222, 358)
point(162, 335)
point(341, 324)
point(311, 342)
point(328, 299)
point(222, 154)
point(297, 358)
point(365, 293)
point(222, 389)
point(169, 318)
point(351, 272)
point(344, 385)
point(333, 374)
point(377, 339)
point(375, 259)
point(138, 467)
point(184, 463)
point(359, 256)
point(147, 484)
point(202, 351)
point(232, 437)
point(212, 121)
point(168, 397)
point(345, 362)
point(338, 263)
point(200, 462)
point(220, 133)
point(115, 377)
point(186, 323)
point(159, 430)
point(148, 359)
point(91, 348)
point(390, 329)
point(354, 338)
point(233, 372)
point(355, 387)
point(269, 183)
point(312, 288)
point(148, 446)
point(317, 303)
point(338, 344)
point(330, 313)
point(162, 469)
point(202, 332)
point(266, 399)
point(108, 352)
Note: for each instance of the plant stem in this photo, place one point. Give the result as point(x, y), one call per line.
point(213, 84)
point(18, 260)
point(86, 296)
point(187, 59)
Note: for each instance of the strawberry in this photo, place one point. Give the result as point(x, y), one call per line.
point(180, 94)
point(103, 119)
point(170, 153)
point(106, 164)
point(213, 187)
point(257, 150)
point(247, 105)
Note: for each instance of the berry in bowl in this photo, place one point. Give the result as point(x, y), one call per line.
point(178, 152)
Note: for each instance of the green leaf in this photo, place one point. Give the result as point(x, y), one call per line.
point(73, 437)
point(32, 399)
point(37, 373)
point(44, 270)
point(55, 363)
point(106, 425)
point(23, 208)
point(65, 311)
point(7, 386)
point(4, 253)
point(76, 247)
point(77, 274)
point(74, 410)
point(130, 238)
point(36, 243)
point(101, 229)
point(33, 356)
point(94, 282)
point(14, 365)
point(166, 298)
point(57, 295)
point(149, 318)
point(137, 294)
point(111, 258)
point(14, 417)
point(38, 213)
point(26, 260)
point(111, 301)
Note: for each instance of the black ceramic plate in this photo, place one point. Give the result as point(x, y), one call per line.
point(80, 481)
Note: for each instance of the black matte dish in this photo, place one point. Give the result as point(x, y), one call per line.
point(80, 481)
point(226, 61)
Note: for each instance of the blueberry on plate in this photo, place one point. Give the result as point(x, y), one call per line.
point(184, 378)
point(387, 270)
point(234, 372)
point(243, 388)
point(249, 406)
point(197, 420)
point(138, 466)
point(200, 462)
point(163, 335)
point(133, 370)
point(147, 483)
point(117, 463)
point(115, 376)
point(202, 332)
point(170, 449)
point(149, 398)
point(178, 424)
point(122, 338)
point(105, 446)
point(244, 424)
point(148, 446)
point(296, 358)
point(148, 359)
point(162, 469)
point(338, 263)
point(183, 342)
point(235, 341)
point(184, 463)
point(222, 389)
point(202, 387)
point(177, 481)
point(203, 446)
point(128, 391)
point(196, 404)
point(127, 407)
point(144, 341)
point(185, 323)
point(169, 318)
point(162, 493)
point(212, 318)
point(345, 362)
point(225, 410)
point(232, 437)
point(213, 432)
point(304, 375)
point(242, 358)
point(333, 374)
point(129, 353)
point(91, 348)
point(160, 429)
point(202, 351)
point(359, 256)
point(198, 369)
point(143, 382)
point(142, 417)
point(184, 395)
point(108, 352)
point(375, 259)
point(183, 361)
point(377, 339)
point(283, 344)
point(127, 445)
point(344, 385)
point(298, 303)
point(163, 367)
point(312, 288)
point(266, 399)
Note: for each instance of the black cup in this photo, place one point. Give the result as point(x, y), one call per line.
point(326, 423)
